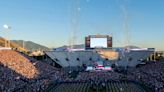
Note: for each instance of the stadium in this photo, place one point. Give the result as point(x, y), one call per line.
point(90, 46)
point(93, 69)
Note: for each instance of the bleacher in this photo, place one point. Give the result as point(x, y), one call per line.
point(78, 58)
point(18, 63)
point(20, 73)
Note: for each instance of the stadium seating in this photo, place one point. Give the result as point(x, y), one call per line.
point(22, 74)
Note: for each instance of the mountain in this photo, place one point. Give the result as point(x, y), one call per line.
point(82, 46)
point(132, 47)
point(30, 45)
point(6, 43)
point(79, 46)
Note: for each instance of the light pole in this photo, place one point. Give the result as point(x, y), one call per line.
point(23, 44)
point(7, 28)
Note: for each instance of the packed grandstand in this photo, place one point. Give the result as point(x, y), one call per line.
point(21, 73)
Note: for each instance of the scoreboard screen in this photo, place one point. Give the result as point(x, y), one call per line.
point(98, 42)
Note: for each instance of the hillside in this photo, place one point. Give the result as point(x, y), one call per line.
point(79, 46)
point(12, 44)
point(30, 45)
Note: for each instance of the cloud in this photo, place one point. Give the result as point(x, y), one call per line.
point(6, 26)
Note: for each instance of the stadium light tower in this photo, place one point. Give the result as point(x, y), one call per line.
point(7, 28)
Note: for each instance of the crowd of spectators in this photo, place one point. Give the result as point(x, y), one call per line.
point(151, 74)
point(98, 76)
point(19, 73)
point(18, 63)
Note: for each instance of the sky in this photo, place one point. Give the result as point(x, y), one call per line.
point(52, 22)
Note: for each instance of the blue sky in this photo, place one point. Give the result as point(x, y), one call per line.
point(49, 22)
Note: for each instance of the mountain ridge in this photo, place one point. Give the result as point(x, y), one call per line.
point(30, 45)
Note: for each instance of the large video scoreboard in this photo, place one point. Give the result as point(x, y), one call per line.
point(98, 41)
